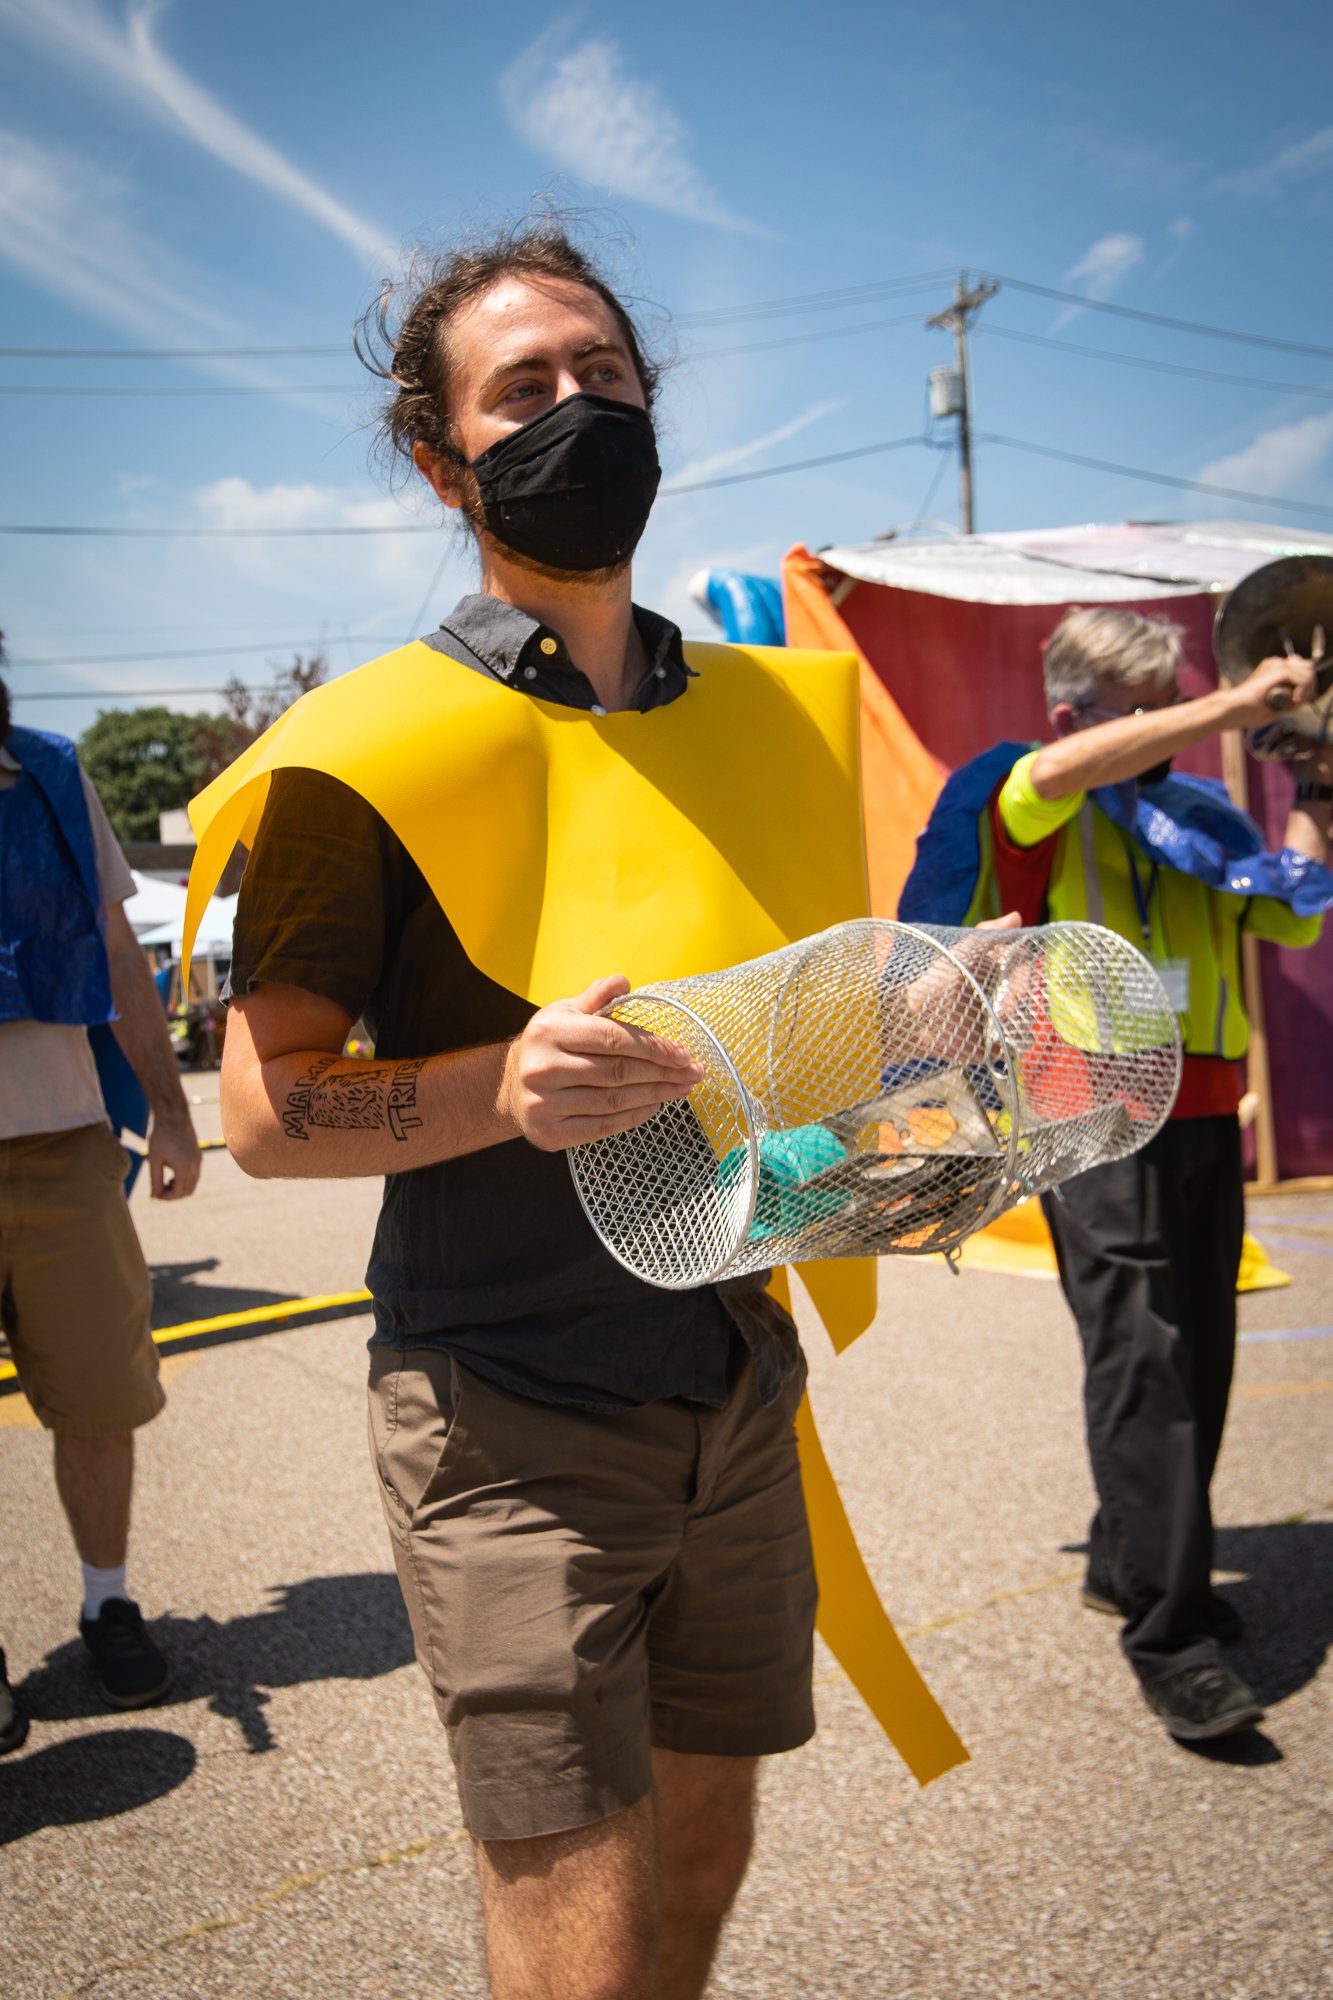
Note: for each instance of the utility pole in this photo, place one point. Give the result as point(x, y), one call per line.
point(951, 400)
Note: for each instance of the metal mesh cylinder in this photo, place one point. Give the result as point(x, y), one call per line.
point(880, 1089)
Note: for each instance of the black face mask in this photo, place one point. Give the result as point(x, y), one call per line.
point(573, 489)
point(1157, 773)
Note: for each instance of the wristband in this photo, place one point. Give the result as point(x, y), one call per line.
point(1310, 792)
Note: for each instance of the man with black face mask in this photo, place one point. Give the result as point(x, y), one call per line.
point(1089, 827)
point(591, 1486)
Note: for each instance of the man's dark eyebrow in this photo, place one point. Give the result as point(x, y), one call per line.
point(602, 345)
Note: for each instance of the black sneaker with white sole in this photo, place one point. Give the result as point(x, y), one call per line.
point(132, 1670)
point(1199, 1703)
point(13, 1722)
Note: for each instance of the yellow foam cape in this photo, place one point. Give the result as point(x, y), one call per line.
point(565, 846)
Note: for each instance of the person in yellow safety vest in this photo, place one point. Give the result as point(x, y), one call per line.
point(1148, 1247)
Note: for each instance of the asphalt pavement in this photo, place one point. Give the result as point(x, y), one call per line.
point(285, 1824)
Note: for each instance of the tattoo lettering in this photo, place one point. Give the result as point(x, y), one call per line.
point(298, 1100)
point(403, 1098)
point(354, 1101)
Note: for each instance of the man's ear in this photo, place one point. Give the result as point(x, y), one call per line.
point(439, 472)
point(1064, 716)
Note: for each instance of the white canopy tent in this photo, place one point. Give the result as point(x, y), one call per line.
point(153, 903)
point(215, 928)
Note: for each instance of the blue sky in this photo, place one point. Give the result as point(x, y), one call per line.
point(239, 176)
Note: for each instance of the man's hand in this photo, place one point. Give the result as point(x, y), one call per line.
point(1248, 702)
point(174, 1158)
point(141, 1030)
point(574, 1075)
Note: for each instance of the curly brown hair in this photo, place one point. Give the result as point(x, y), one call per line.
point(403, 337)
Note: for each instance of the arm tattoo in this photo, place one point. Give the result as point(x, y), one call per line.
point(298, 1100)
point(352, 1102)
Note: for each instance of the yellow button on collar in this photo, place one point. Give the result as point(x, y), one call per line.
point(548, 646)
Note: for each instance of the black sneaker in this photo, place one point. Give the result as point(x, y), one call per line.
point(13, 1722)
point(132, 1670)
point(1199, 1703)
point(1224, 1621)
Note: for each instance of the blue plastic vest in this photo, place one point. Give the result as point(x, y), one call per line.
point(53, 963)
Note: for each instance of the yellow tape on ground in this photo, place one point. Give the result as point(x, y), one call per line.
point(285, 1309)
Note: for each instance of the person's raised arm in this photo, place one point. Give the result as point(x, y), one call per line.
point(1110, 752)
point(294, 1107)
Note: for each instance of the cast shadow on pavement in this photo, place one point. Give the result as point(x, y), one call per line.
point(90, 1777)
point(1285, 1596)
point(326, 1628)
point(178, 1300)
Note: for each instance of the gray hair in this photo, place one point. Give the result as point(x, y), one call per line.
point(1105, 644)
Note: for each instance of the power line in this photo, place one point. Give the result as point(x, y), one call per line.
point(223, 534)
point(1158, 367)
point(117, 389)
point(183, 389)
point(165, 353)
point(1157, 478)
point(200, 652)
point(433, 528)
point(1165, 319)
point(714, 316)
point(883, 288)
point(127, 694)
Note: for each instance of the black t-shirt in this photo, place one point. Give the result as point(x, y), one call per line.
point(489, 1256)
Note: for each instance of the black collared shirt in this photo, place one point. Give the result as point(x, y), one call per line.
point(509, 646)
point(489, 1256)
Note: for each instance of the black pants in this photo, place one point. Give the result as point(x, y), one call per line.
point(1148, 1250)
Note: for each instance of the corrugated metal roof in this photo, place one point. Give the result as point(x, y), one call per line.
point(1102, 564)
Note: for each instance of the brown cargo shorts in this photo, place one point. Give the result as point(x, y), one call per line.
point(75, 1294)
point(584, 1588)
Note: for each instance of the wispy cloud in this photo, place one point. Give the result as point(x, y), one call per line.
point(65, 224)
point(123, 56)
point(583, 109)
point(380, 561)
point(741, 454)
point(1300, 162)
point(68, 225)
point(1103, 268)
point(1278, 459)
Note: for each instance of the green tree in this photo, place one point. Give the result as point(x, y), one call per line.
point(143, 761)
point(146, 761)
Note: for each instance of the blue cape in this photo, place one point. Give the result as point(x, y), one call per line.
point(53, 963)
point(1189, 824)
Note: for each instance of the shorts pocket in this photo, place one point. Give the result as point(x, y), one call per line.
point(415, 1397)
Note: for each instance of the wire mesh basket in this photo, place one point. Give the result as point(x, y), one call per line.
point(880, 1089)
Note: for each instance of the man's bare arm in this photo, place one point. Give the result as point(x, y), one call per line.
point(1112, 751)
point(294, 1107)
point(1307, 826)
point(141, 1030)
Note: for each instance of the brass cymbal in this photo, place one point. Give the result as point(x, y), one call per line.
point(1284, 607)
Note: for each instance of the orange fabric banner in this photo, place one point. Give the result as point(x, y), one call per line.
point(900, 779)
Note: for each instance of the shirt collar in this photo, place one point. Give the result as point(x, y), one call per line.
point(528, 655)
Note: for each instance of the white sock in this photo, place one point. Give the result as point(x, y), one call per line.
point(99, 1585)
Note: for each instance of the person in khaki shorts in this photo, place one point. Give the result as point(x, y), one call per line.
point(591, 1485)
point(74, 1289)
